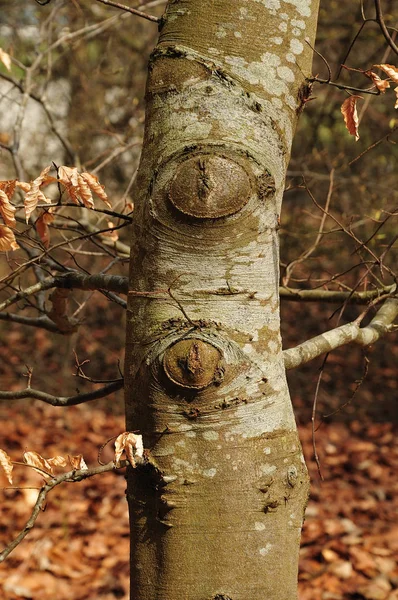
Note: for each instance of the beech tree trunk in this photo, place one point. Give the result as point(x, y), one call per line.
point(221, 516)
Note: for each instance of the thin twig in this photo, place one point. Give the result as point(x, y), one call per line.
point(64, 400)
point(133, 11)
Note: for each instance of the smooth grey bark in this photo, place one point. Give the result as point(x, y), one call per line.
point(221, 515)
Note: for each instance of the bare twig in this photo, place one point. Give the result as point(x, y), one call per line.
point(64, 400)
point(128, 9)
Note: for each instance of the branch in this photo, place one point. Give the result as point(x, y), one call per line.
point(72, 477)
point(382, 25)
point(133, 11)
point(41, 322)
point(381, 324)
point(71, 280)
point(330, 296)
point(119, 284)
point(106, 390)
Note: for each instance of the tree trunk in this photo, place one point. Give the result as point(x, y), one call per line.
point(205, 378)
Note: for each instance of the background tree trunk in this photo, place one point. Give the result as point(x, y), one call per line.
point(205, 379)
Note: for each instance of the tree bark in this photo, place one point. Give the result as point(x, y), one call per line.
point(205, 377)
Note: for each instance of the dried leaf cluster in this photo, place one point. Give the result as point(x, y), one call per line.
point(79, 187)
point(349, 106)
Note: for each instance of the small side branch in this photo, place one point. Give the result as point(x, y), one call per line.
point(330, 296)
point(71, 280)
point(381, 324)
point(102, 392)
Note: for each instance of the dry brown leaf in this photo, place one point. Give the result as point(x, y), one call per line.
point(40, 464)
point(85, 193)
point(381, 84)
point(77, 462)
point(94, 184)
point(25, 187)
point(131, 444)
point(57, 461)
point(349, 112)
point(8, 187)
point(7, 239)
point(396, 93)
point(68, 176)
point(42, 226)
point(389, 70)
point(35, 195)
point(111, 235)
point(5, 462)
point(7, 210)
point(5, 58)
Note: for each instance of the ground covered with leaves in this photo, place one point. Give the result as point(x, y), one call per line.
point(79, 548)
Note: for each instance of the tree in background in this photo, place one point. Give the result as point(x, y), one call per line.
point(217, 499)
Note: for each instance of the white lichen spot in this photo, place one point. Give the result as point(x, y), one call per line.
point(243, 12)
point(209, 472)
point(296, 31)
point(303, 6)
point(262, 73)
point(298, 23)
point(296, 46)
point(248, 348)
point(181, 465)
point(284, 16)
point(277, 40)
point(290, 57)
point(214, 51)
point(228, 456)
point(285, 73)
point(181, 443)
point(272, 345)
point(184, 427)
point(282, 27)
point(267, 450)
point(259, 526)
point(264, 551)
point(267, 469)
point(237, 34)
point(210, 435)
point(190, 434)
point(221, 33)
point(271, 4)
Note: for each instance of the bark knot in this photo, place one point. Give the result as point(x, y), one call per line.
point(210, 186)
point(192, 363)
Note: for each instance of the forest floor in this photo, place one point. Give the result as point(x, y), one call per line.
point(78, 549)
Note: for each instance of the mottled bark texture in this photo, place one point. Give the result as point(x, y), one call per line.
point(205, 376)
